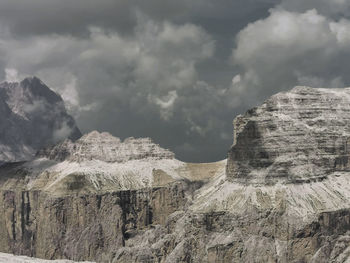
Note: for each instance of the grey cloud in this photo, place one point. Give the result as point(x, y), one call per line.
point(28, 17)
point(289, 48)
point(123, 84)
point(330, 8)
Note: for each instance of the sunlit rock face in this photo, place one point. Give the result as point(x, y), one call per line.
point(32, 116)
point(296, 136)
point(104, 147)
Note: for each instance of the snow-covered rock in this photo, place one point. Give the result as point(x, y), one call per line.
point(99, 162)
point(32, 116)
point(105, 147)
point(9, 258)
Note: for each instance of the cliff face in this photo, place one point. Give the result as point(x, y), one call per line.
point(294, 136)
point(283, 195)
point(32, 116)
point(86, 227)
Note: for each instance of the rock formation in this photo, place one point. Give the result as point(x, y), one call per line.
point(84, 200)
point(105, 147)
point(295, 136)
point(283, 195)
point(32, 116)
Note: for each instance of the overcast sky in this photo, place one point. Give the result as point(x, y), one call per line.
point(176, 71)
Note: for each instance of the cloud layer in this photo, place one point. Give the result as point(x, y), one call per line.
point(179, 71)
point(290, 48)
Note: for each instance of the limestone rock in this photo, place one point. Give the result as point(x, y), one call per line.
point(107, 148)
point(296, 136)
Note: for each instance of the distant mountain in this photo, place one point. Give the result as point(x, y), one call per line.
point(31, 116)
point(107, 148)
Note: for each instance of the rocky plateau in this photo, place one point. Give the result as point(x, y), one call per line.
point(282, 195)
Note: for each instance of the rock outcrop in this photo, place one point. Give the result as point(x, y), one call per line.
point(295, 136)
point(32, 116)
point(85, 227)
point(283, 195)
point(107, 148)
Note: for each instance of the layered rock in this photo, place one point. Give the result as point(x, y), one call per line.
point(32, 116)
point(86, 227)
point(107, 148)
point(85, 200)
point(295, 136)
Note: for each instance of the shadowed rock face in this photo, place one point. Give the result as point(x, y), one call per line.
point(294, 136)
point(32, 116)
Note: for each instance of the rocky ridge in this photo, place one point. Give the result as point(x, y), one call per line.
point(32, 116)
point(98, 163)
point(83, 201)
point(107, 148)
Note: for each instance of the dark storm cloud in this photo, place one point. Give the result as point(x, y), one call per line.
point(176, 71)
point(30, 17)
point(291, 48)
point(27, 17)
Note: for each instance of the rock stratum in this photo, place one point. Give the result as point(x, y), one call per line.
point(32, 116)
point(301, 135)
point(283, 194)
point(107, 148)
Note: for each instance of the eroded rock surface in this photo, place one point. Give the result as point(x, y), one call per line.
point(107, 148)
point(86, 227)
point(295, 136)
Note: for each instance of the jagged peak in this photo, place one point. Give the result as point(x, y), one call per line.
point(31, 79)
point(28, 79)
point(34, 86)
point(106, 136)
point(99, 136)
point(105, 147)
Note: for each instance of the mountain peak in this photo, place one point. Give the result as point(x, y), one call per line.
point(33, 116)
point(31, 79)
point(96, 136)
point(105, 147)
point(39, 89)
point(295, 136)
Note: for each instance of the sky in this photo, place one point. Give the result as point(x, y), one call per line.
point(176, 71)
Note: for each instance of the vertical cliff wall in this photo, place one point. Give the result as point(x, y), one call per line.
point(293, 136)
point(86, 227)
